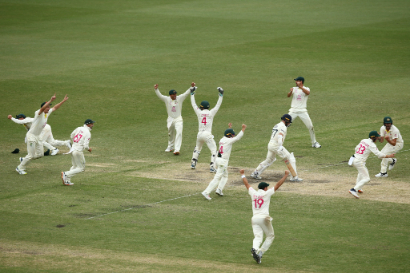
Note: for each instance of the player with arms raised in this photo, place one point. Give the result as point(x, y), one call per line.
point(205, 121)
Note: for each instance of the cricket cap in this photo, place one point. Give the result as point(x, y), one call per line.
point(229, 132)
point(20, 116)
point(300, 79)
point(387, 120)
point(172, 92)
point(204, 104)
point(263, 185)
point(45, 103)
point(88, 121)
point(373, 134)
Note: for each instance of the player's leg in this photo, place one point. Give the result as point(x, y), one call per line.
point(257, 232)
point(294, 115)
point(270, 158)
point(31, 153)
point(210, 142)
point(363, 175)
point(388, 149)
point(308, 123)
point(197, 150)
point(285, 155)
point(222, 182)
point(171, 134)
point(179, 125)
point(78, 161)
point(269, 233)
point(222, 168)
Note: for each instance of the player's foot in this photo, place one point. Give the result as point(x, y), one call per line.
point(381, 175)
point(169, 149)
point(54, 152)
point(68, 144)
point(212, 170)
point(68, 183)
point(20, 171)
point(256, 176)
point(206, 195)
point(296, 179)
point(316, 145)
point(354, 193)
point(391, 166)
point(63, 177)
point(176, 153)
point(219, 192)
point(360, 191)
point(255, 256)
point(193, 163)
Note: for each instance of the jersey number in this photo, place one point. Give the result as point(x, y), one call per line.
point(361, 149)
point(274, 131)
point(77, 138)
point(221, 149)
point(204, 121)
point(258, 202)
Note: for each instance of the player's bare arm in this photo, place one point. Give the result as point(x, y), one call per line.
point(243, 127)
point(390, 156)
point(47, 104)
point(290, 93)
point(245, 181)
point(280, 182)
point(391, 141)
point(60, 103)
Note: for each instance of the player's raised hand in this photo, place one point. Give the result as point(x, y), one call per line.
point(53, 97)
point(220, 90)
point(192, 84)
point(9, 116)
point(242, 172)
point(287, 172)
point(65, 97)
point(229, 125)
point(156, 86)
point(243, 127)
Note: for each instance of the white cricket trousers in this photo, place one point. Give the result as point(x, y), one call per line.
point(34, 150)
point(304, 116)
point(260, 225)
point(175, 127)
point(221, 176)
point(271, 157)
point(48, 140)
point(387, 150)
point(78, 161)
point(363, 176)
point(202, 138)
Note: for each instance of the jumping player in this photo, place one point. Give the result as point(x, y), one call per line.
point(275, 147)
point(224, 152)
point(34, 143)
point(358, 160)
point(298, 107)
point(205, 120)
point(81, 139)
point(261, 221)
point(395, 143)
point(174, 121)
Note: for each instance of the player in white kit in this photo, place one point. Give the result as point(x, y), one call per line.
point(298, 107)
point(275, 147)
point(174, 121)
point(205, 121)
point(34, 142)
point(46, 135)
point(224, 152)
point(395, 143)
point(81, 139)
point(261, 221)
point(358, 160)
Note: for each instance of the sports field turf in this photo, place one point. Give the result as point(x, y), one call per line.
point(139, 209)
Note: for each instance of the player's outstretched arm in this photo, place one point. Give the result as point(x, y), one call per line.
point(280, 182)
point(47, 104)
point(245, 181)
point(60, 103)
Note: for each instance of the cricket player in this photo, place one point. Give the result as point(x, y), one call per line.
point(224, 152)
point(46, 135)
point(261, 221)
point(81, 139)
point(174, 121)
point(298, 107)
point(395, 143)
point(34, 142)
point(358, 160)
point(205, 120)
point(275, 147)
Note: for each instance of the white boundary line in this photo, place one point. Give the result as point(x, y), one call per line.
point(98, 216)
point(142, 205)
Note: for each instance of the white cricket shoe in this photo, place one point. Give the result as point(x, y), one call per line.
point(212, 170)
point(296, 179)
point(354, 193)
point(169, 149)
point(206, 195)
point(256, 176)
point(68, 144)
point(65, 180)
point(193, 164)
point(381, 175)
point(55, 151)
point(20, 171)
point(219, 192)
point(316, 145)
point(391, 166)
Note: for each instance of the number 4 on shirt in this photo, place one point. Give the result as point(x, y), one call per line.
point(204, 121)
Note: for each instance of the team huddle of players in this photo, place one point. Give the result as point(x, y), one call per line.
point(39, 135)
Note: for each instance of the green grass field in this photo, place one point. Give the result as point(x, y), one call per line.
point(138, 209)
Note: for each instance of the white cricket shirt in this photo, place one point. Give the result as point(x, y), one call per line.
point(40, 120)
point(394, 133)
point(174, 107)
point(278, 128)
point(261, 201)
point(205, 117)
point(364, 148)
point(27, 122)
point(299, 100)
point(81, 138)
point(225, 145)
